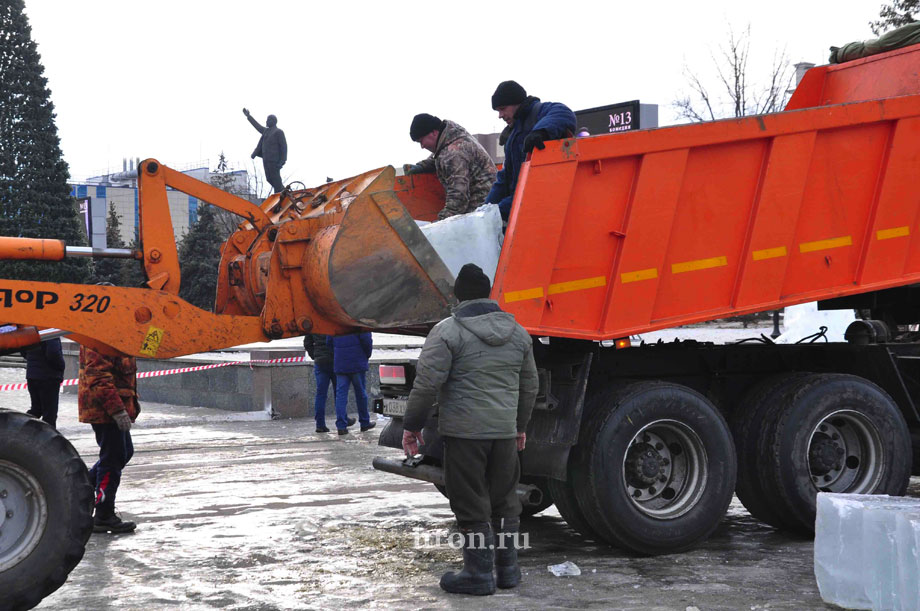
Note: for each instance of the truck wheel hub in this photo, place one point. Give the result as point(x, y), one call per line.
point(823, 454)
point(664, 469)
point(846, 453)
point(644, 465)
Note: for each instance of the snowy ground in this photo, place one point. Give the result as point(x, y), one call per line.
point(270, 515)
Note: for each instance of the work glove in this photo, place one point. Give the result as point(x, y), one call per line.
point(246, 111)
point(122, 421)
point(411, 168)
point(521, 441)
point(411, 441)
point(536, 138)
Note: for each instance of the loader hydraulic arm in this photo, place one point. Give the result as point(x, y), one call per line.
point(344, 256)
point(160, 255)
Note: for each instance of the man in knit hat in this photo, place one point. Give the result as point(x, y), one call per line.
point(479, 366)
point(530, 123)
point(464, 168)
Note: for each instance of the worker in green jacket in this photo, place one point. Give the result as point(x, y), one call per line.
point(479, 367)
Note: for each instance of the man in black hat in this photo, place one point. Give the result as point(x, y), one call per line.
point(478, 364)
point(272, 148)
point(530, 123)
point(464, 168)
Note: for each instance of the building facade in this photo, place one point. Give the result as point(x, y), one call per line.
point(96, 194)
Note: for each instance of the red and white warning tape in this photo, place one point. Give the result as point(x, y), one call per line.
point(166, 372)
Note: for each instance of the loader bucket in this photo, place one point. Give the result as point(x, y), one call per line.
point(376, 269)
point(345, 255)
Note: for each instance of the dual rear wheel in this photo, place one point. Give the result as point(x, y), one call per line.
point(800, 434)
point(655, 466)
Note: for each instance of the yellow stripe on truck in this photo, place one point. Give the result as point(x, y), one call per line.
point(577, 285)
point(826, 244)
point(692, 266)
point(512, 296)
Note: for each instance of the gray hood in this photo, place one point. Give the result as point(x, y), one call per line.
point(484, 319)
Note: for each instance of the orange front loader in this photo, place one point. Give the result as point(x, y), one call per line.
point(328, 260)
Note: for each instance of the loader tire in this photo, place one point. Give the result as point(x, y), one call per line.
point(46, 510)
point(746, 423)
point(657, 469)
point(833, 433)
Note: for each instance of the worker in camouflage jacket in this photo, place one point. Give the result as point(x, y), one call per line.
point(464, 168)
point(107, 399)
point(479, 367)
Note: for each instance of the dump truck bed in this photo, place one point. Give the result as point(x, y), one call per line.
point(626, 233)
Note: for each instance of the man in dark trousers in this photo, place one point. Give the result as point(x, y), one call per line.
point(323, 373)
point(107, 399)
point(272, 148)
point(479, 366)
point(351, 354)
point(530, 123)
point(44, 374)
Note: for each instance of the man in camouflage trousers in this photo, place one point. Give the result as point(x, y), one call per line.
point(107, 400)
point(464, 168)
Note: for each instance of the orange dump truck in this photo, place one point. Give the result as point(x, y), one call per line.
point(617, 235)
point(609, 236)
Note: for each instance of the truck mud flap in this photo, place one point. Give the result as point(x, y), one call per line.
point(553, 432)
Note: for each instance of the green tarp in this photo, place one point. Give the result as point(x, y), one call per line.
point(902, 37)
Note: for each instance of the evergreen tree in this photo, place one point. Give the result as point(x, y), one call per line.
point(35, 199)
point(898, 13)
point(199, 258)
point(112, 270)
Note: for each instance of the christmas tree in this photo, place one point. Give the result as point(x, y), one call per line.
point(35, 199)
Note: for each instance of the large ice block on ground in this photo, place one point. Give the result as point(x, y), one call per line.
point(907, 533)
point(475, 237)
point(857, 559)
point(884, 571)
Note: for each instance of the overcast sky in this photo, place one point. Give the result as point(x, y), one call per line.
point(169, 79)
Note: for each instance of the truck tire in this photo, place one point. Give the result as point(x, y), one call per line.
point(833, 433)
point(46, 510)
point(658, 468)
point(746, 422)
point(563, 493)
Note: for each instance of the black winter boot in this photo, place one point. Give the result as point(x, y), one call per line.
point(112, 524)
point(476, 577)
point(507, 569)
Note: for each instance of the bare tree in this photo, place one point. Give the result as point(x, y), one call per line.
point(894, 15)
point(735, 93)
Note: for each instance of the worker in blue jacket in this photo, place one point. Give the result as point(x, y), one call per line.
point(349, 362)
point(530, 123)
